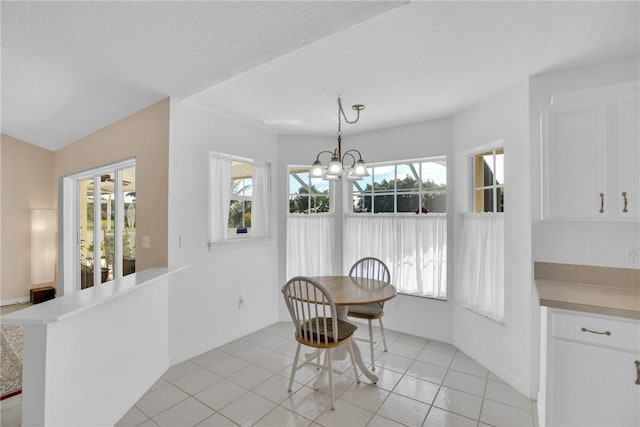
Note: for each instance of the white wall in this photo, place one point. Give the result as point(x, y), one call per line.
point(89, 356)
point(203, 309)
point(506, 349)
point(420, 316)
point(577, 242)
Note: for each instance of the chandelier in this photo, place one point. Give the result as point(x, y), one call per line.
point(355, 169)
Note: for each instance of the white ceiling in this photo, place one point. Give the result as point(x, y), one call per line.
point(70, 68)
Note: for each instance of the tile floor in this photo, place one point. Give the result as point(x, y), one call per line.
point(422, 383)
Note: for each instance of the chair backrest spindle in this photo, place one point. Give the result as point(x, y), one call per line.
point(312, 310)
point(371, 268)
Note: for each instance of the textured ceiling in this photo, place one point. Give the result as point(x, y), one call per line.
point(70, 68)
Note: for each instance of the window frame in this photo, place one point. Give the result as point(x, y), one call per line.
point(232, 233)
point(70, 230)
point(420, 191)
point(492, 150)
point(233, 238)
point(309, 195)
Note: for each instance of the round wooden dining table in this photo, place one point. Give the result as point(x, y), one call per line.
point(346, 291)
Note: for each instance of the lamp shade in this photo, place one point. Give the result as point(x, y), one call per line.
point(43, 245)
point(334, 167)
point(316, 169)
point(360, 169)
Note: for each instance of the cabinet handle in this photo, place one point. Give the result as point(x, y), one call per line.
point(601, 203)
point(637, 362)
point(624, 197)
point(607, 333)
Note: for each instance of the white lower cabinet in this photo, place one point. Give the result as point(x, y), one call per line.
point(591, 378)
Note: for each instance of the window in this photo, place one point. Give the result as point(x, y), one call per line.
point(240, 198)
point(310, 224)
point(101, 224)
point(480, 278)
point(307, 194)
point(417, 186)
point(488, 181)
point(240, 194)
point(384, 224)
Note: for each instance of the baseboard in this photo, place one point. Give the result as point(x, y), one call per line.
point(13, 301)
point(418, 332)
point(134, 395)
point(522, 386)
point(219, 341)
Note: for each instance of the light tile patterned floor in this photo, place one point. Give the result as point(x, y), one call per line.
point(422, 383)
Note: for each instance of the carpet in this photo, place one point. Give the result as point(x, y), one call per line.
point(10, 360)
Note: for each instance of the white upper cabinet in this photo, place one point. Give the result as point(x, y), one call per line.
point(591, 154)
point(629, 156)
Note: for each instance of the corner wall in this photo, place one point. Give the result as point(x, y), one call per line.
point(578, 242)
point(508, 349)
point(145, 136)
point(27, 173)
point(203, 299)
point(423, 317)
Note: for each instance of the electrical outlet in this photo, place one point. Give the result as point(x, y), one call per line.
point(240, 303)
point(632, 255)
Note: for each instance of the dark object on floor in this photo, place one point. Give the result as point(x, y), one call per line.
point(42, 294)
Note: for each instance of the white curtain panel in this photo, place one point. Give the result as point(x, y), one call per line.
point(219, 197)
point(261, 199)
point(480, 272)
point(310, 245)
point(414, 247)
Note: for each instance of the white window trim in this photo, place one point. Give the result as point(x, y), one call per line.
point(332, 192)
point(70, 240)
point(348, 207)
point(234, 239)
point(471, 154)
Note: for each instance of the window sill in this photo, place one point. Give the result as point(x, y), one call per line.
point(243, 241)
point(423, 296)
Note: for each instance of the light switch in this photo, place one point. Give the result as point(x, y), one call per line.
point(146, 241)
point(184, 241)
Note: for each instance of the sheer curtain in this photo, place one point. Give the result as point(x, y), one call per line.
point(260, 200)
point(219, 198)
point(310, 245)
point(414, 247)
point(480, 281)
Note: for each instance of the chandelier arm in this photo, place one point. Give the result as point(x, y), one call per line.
point(352, 156)
point(355, 151)
point(322, 152)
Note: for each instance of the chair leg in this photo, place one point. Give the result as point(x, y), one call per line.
point(294, 367)
point(330, 369)
point(320, 377)
point(384, 339)
point(371, 346)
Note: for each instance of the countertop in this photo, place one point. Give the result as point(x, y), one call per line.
point(601, 290)
point(59, 308)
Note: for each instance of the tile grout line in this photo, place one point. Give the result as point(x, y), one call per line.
point(441, 383)
point(484, 392)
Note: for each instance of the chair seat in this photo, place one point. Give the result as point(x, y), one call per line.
point(316, 326)
point(366, 311)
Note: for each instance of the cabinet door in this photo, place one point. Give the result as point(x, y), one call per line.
point(629, 157)
point(593, 386)
point(575, 161)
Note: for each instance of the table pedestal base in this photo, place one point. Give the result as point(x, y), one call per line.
point(342, 315)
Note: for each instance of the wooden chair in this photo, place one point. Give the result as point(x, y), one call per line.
point(317, 325)
point(371, 268)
